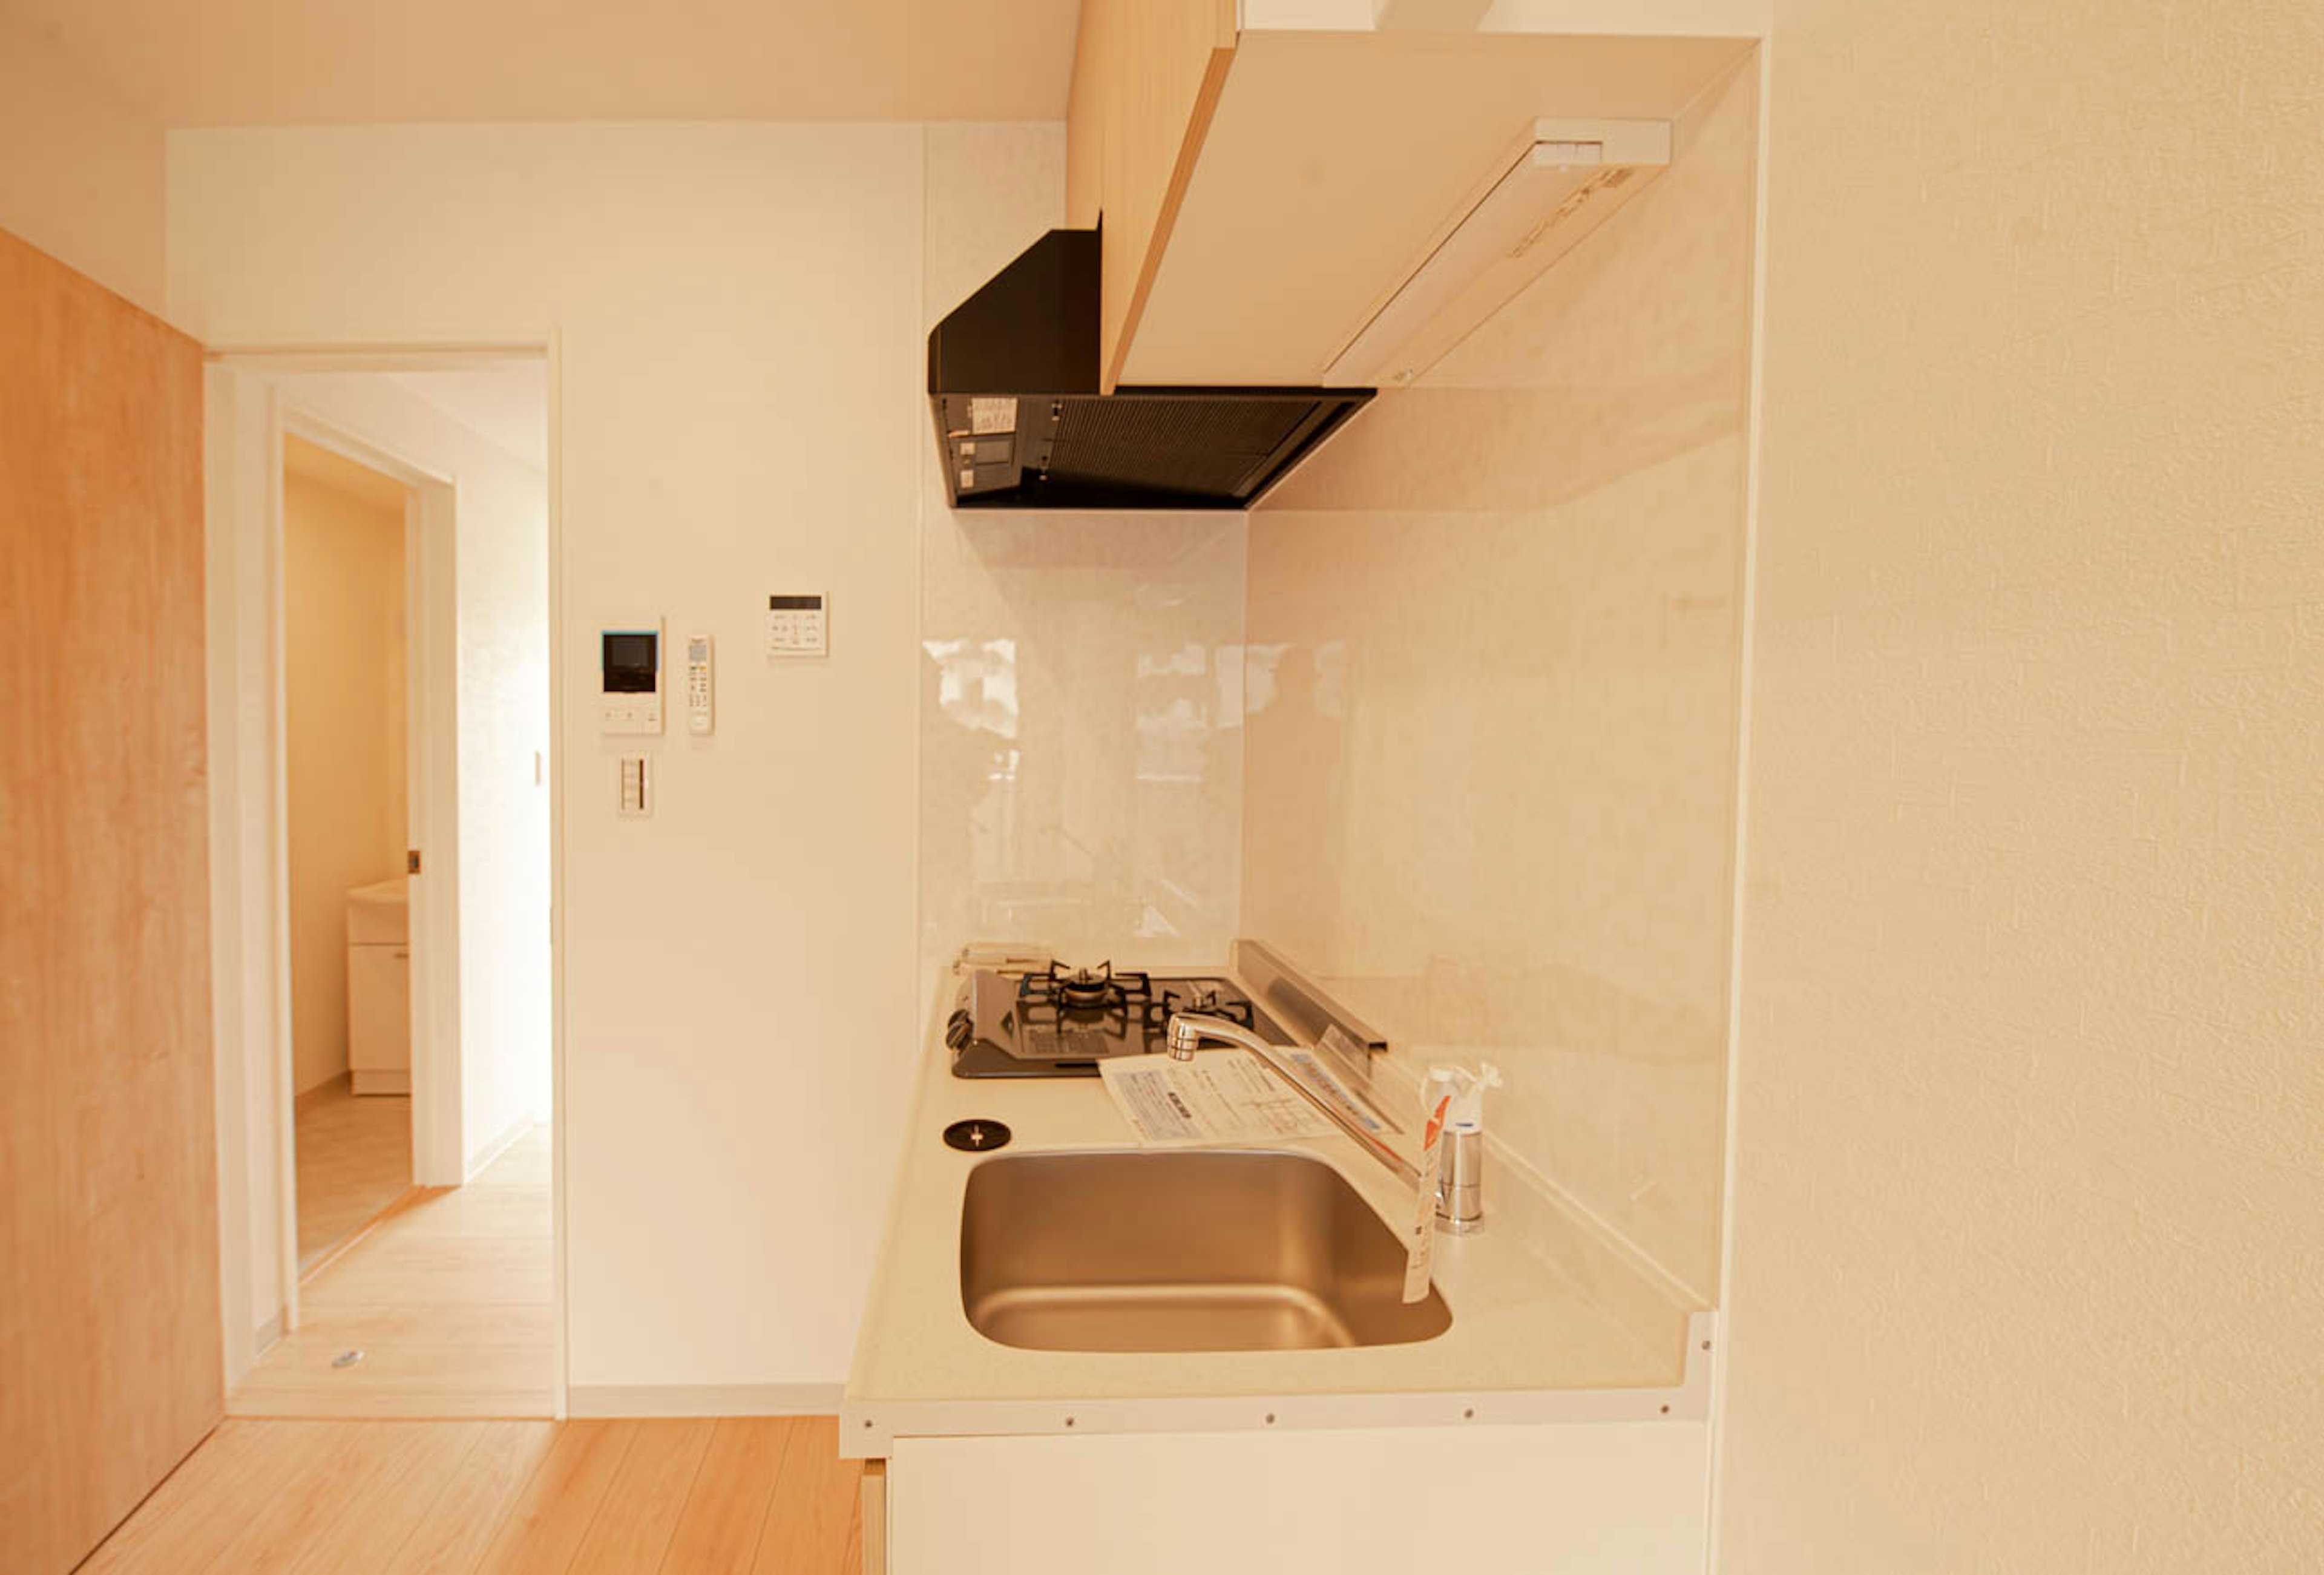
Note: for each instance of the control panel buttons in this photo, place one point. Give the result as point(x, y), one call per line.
point(798, 625)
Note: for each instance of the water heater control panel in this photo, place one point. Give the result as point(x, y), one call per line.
point(798, 625)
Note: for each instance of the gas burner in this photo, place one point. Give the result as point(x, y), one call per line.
point(1197, 995)
point(1063, 1022)
point(1087, 987)
point(1084, 990)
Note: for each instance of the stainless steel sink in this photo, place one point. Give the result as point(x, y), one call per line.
point(1181, 1250)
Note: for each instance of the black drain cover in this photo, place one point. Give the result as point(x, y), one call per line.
point(975, 1137)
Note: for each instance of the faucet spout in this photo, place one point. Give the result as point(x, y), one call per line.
point(1187, 1033)
point(1184, 1036)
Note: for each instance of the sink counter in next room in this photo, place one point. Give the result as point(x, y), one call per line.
point(1567, 1399)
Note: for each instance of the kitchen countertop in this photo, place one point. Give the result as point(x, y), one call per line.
point(1550, 1322)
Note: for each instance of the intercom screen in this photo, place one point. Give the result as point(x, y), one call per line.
point(631, 663)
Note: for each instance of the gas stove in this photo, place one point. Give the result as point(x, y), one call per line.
point(1060, 1022)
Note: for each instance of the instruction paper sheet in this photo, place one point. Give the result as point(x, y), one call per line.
point(1223, 1096)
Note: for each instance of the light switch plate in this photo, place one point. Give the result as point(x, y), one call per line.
point(636, 801)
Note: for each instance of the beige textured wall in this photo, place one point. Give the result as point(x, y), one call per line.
point(80, 172)
point(2028, 1270)
point(1492, 693)
point(343, 640)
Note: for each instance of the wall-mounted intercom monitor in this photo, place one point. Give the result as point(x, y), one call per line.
point(629, 663)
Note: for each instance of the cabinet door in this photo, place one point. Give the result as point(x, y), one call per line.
point(1147, 74)
point(379, 1011)
point(1570, 1499)
point(110, 1355)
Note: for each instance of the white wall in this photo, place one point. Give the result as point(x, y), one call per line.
point(344, 726)
point(737, 310)
point(2028, 1266)
point(80, 172)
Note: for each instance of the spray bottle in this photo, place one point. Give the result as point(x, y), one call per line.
point(1461, 1170)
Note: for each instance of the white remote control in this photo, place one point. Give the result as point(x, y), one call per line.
point(698, 684)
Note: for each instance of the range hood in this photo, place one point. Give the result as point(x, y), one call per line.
point(1013, 380)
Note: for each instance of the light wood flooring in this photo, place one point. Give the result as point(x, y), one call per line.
point(451, 1300)
point(354, 1159)
point(760, 1495)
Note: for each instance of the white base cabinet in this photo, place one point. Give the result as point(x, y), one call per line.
point(1585, 1499)
point(379, 1019)
point(379, 989)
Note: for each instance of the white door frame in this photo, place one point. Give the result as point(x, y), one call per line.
point(249, 821)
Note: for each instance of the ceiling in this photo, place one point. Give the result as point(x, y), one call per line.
point(312, 462)
point(286, 63)
point(507, 406)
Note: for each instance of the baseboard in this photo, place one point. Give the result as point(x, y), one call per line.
point(498, 1146)
point(337, 1086)
point(703, 1399)
point(240, 1359)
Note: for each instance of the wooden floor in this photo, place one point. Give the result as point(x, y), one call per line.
point(354, 1159)
point(746, 1496)
point(451, 1301)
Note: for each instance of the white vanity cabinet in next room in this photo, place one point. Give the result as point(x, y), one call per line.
point(379, 989)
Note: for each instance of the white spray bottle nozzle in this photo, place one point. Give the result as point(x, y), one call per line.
point(1467, 1111)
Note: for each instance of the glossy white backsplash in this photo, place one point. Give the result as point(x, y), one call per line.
point(1081, 733)
point(1493, 701)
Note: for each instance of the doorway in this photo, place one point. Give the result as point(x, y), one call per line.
point(380, 557)
point(346, 717)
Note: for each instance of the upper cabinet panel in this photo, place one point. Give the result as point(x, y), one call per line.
point(1334, 162)
point(1147, 74)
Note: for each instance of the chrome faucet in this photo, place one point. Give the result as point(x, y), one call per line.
point(1460, 1194)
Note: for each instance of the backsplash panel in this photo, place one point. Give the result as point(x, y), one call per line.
point(1493, 701)
point(1081, 733)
